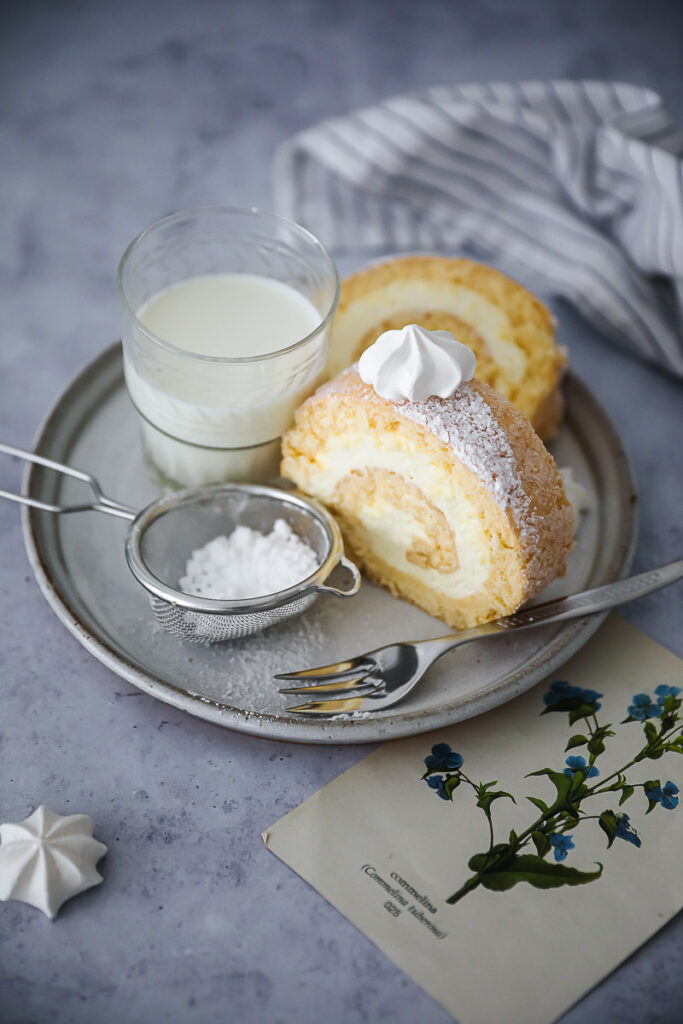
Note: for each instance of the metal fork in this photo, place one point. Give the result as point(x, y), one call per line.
point(383, 677)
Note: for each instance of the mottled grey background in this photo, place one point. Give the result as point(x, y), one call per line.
point(113, 115)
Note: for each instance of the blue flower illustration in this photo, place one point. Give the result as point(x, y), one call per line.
point(643, 707)
point(561, 844)
point(664, 795)
point(536, 851)
point(562, 691)
point(443, 759)
point(578, 764)
point(624, 830)
point(437, 782)
point(663, 691)
point(669, 797)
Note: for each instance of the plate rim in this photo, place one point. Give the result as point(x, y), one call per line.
point(279, 727)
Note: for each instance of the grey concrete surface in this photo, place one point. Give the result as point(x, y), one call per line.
point(111, 116)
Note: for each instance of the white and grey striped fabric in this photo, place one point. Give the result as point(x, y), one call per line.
point(575, 188)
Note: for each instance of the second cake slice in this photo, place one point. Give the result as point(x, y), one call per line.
point(510, 331)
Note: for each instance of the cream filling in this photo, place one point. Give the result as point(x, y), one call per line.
point(394, 529)
point(486, 318)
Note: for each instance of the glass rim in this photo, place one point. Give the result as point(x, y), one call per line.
point(227, 360)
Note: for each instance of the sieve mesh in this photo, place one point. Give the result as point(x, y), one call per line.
point(208, 628)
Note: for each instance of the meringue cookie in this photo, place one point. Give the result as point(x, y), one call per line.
point(46, 859)
point(414, 364)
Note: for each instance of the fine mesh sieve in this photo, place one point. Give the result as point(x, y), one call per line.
point(163, 535)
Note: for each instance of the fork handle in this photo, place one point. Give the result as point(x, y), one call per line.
point(588, 602)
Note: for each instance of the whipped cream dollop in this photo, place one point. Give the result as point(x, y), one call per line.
point(414, 364)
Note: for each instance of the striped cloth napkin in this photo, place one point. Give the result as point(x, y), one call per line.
point(574, 187)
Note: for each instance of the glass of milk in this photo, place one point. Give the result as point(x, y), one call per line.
point(226, 316)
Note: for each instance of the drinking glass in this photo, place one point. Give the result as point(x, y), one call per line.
point(204, 418)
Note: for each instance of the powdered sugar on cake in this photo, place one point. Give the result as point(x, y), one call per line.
point(467, 425)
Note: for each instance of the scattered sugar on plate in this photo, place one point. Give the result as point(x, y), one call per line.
point(579, 498)
point(249, 564)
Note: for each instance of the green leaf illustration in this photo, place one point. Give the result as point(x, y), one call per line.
point(617, 785)
point(578, 786)
point(583, 711)
point(576, 741)
point(596, 744)
point(568, 788)
point(651, 784)
point(450, 785)
point(529, 868)
point(608, 823)
point(541, 842)
point(541, 804)
point(576, 707)
point(485, 800)
point(626, 793)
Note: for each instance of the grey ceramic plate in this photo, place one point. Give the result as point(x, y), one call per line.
point(79, 563)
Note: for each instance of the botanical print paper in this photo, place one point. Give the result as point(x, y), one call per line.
point(387, 846)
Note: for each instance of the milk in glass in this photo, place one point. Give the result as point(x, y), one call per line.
point(205, 421)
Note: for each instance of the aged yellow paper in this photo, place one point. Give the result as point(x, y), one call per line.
point(387, 850)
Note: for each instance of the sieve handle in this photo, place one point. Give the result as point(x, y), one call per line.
point(100, 504)
point(355, 580)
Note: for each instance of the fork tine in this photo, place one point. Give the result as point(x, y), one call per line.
point(329, 707)
point(357, 682)
point(340, 669)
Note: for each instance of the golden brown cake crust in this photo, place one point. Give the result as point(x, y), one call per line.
point(510, 477)
point(537, 394)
